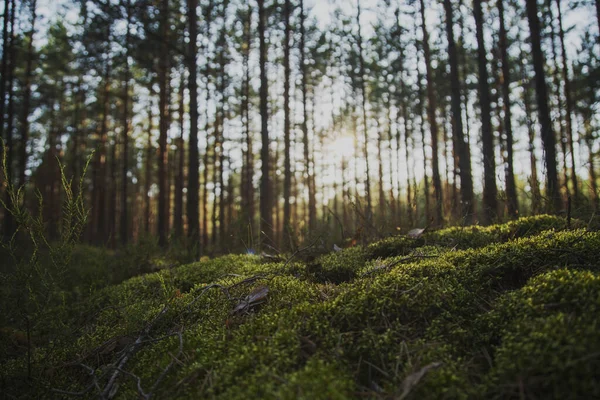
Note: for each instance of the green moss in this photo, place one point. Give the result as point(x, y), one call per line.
point(549, 345)
point(493, 320)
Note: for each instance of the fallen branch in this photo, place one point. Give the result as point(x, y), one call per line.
point(110, 388)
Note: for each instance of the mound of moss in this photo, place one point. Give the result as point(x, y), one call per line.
point(510, 313)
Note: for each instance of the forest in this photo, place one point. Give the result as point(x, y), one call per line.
point(386, 199)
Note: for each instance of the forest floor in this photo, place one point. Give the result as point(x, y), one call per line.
point(506, 311)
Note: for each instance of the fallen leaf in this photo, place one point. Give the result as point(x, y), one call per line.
point(415, 233)
point(255, 297)
point(413, 379)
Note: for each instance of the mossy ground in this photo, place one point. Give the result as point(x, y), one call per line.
point(508, 311)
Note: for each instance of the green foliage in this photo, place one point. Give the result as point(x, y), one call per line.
point(515, 316)
point(34, 266)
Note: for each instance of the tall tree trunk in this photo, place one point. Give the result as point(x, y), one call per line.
point(179, 178)
point(568, 101)
point(363, 90)
point(247, 191)
point(556, 78)
point(287, 180)
point(11, 54)
point(220, 127)
point(433, 126)
point(148, 172)
point(99, 190)
point(27, 97)
point(312, 213)
point(4, 62)
point(490, 191)
point(124, 228)
point(266, 208)
point(193, 214)
point(548, 137)
point(163, 109)
point(464, 153)
point(112, 194)
point(407, 136)
point(390, 137)
point(382, 217)
point(511, 188)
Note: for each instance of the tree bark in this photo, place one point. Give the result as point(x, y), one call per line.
point(163, 126)
point(568, 101)
point(433, 126)
point(464, 153)
point(548, 137)
point(266, 208)
point(27, 97)
point(363, 89)
point(511, 188)
point(490, 190)
point(179, 178)
point(287, 180)
point(124, 227)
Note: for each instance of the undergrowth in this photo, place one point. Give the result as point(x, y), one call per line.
point(507, 311)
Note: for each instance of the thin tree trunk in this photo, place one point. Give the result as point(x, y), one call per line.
point(163, 109)
point(548, 137)
point(559, 101)
point(568, 100)
point(304, 126)
point(464, 154)
point(9, 222)
point(193, 214)
point(179, 178)
point(511, 188)
point(247, 191)
point(266, 208)
point(287, 180)
point(27, 97)
point(431, 109)
point(363, 89)
point(125, 151)
point(99, 193)
point(148, 173)
point(490, 190)
point(112, 196)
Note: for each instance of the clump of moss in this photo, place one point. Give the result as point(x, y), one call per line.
point(549, 344)
point(458, 324)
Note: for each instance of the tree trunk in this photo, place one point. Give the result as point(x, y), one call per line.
point(490, 191)
point(433, 126)
point(363, 89)
point(179, 177)
point(568, 101)
point(511, 188)
point(266, 208)
point(99, 190)
point(463, 151)
point(287, 180)
point(247, 191)
point(11, 54)
point(163, 109)
point(124, 228)
point(148, 173)
point(27, 97)
point(193, 214)
point(548, 137)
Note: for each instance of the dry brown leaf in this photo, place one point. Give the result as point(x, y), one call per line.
point(255, 297)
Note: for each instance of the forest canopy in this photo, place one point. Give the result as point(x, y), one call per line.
point(225, 124)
